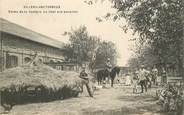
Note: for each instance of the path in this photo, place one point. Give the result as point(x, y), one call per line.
point(110, 101)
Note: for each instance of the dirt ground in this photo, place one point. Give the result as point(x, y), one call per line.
point(108, 101)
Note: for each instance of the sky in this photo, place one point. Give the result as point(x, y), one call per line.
point(55, 24)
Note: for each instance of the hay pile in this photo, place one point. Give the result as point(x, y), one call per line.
point(42, 82)
point(38, 75)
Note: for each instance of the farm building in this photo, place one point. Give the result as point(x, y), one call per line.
point(18, 46)
point(125, 70)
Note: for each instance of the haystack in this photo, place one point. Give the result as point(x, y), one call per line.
point(37, 76)
point(15, 84)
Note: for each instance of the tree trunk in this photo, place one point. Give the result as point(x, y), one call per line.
point(180, 67)
point(182, 54)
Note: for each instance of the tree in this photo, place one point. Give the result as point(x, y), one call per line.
point(80, 45)
point(84, 48)
point(159, 23)
point(106, 50)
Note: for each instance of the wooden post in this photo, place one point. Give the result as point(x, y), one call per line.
point(2, 55)
point(182, 60)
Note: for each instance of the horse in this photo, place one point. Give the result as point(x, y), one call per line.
point(115, 71)
point(103, 74)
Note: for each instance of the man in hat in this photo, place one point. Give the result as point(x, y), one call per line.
point(142, 79)
point(84, 76)
point(155, 75)
point(135, 81)
point(128, 79)
point(164, 76)
point(108, 65)
point(83, 73)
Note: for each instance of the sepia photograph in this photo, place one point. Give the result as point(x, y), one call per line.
point(91, 57)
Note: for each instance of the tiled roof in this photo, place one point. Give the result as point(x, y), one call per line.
point(14, 29)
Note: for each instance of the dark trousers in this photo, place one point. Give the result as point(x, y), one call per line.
point(143, 84)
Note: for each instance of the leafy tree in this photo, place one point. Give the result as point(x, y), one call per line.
point(106, 50)
point(80, 45)
point(84, 48)
point(159, 24)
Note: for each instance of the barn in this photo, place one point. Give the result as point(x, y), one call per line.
point(18, 46)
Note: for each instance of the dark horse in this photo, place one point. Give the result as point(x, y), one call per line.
point(103, 74)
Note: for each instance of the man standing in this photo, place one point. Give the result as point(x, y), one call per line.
point(155, 75)
point(135, 81)
point(108, 66)
point(84, 76)
point(142, 79)
point(147, 75)
point(164, 76)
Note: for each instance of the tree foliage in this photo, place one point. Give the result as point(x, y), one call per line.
point(159, 23)
point(83, 47)
point(106, 50)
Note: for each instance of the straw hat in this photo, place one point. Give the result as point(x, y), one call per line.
point(142, 66)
